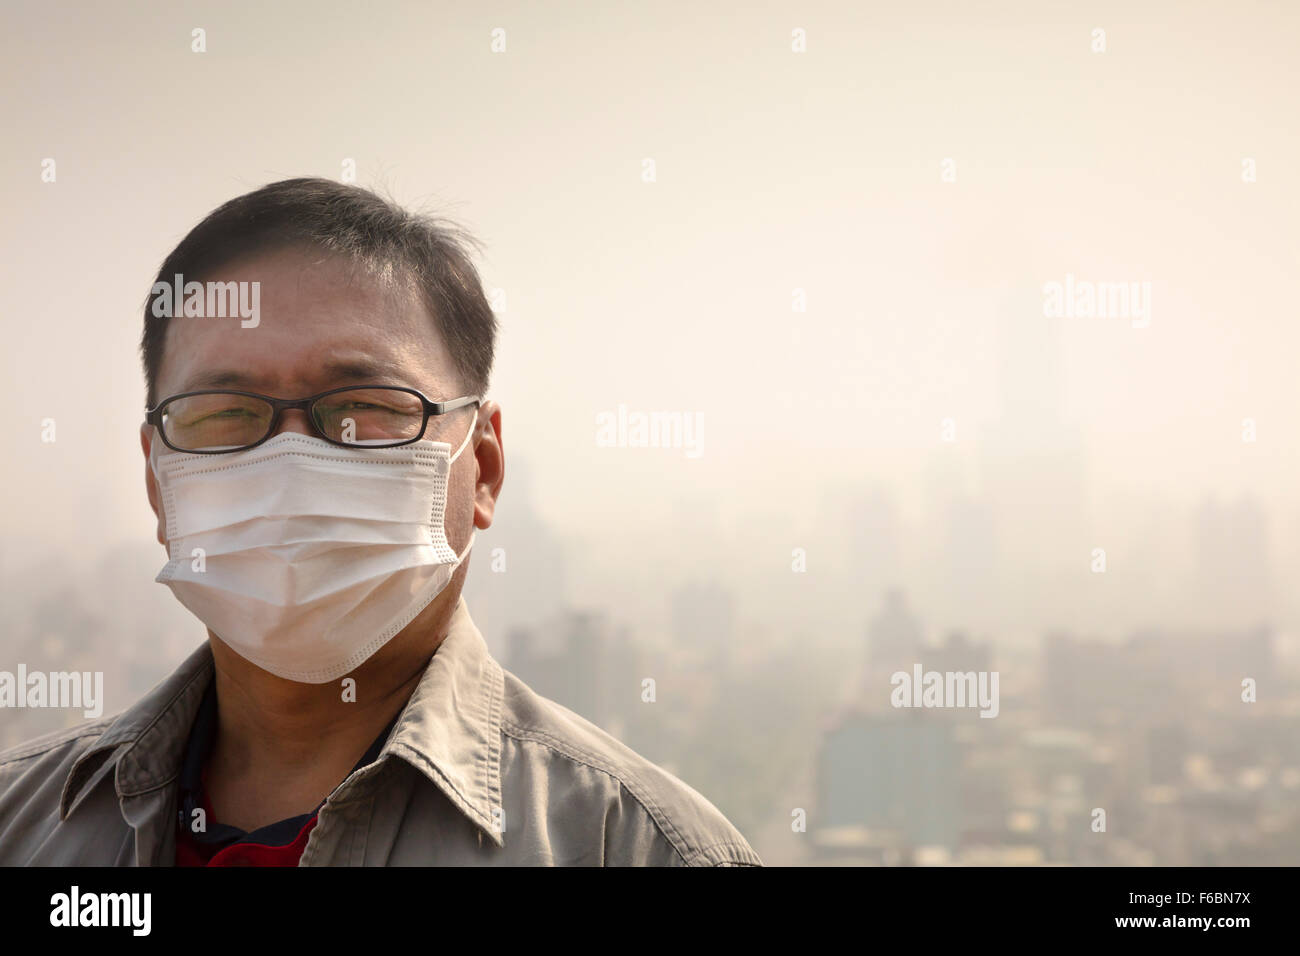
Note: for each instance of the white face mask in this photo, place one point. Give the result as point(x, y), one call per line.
point(313, 555)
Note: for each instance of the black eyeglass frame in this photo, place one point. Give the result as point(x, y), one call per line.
point(153, 416)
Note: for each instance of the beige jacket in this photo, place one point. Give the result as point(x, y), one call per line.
point(479, 770)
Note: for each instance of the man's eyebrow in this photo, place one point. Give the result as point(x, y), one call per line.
point(358, 370)
point(219, 379)
point(374, 370)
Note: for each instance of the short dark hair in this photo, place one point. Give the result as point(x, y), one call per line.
point(359, 224)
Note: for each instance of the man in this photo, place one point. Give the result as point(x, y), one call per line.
point(318, 453)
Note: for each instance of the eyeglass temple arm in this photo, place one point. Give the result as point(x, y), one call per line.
point(442, 408)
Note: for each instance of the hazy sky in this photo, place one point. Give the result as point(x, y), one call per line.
point(774, 171)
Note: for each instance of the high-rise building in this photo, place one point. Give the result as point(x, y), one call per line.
point(891, 779)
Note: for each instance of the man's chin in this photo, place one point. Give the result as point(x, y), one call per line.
point(416, 642)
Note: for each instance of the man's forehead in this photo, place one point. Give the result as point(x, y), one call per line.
point(323, 324)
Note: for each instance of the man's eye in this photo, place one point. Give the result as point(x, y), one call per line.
point(224, 413)
point(363, 407)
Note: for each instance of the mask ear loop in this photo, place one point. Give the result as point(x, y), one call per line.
point(472, 423)
point(154, 454)
point(469, 544)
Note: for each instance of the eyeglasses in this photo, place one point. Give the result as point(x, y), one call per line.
point(217, 421)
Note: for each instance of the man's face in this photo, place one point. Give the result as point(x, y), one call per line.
point(323, 325)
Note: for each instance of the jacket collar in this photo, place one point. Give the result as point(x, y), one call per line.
point(449, 730)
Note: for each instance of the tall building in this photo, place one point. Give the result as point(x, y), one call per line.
point(1232, 574)
point(888, 781)
point(582, 660)
point(970, 565)
point(895, 641)
point(1033, 472)
point(703, 618)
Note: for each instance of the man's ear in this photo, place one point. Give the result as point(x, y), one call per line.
point(147, 438)
point(490, 460)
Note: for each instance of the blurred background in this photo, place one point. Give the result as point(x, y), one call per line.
point(825, 234)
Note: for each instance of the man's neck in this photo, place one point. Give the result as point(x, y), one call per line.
point(282, 746)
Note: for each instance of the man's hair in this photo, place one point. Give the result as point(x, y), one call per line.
point(358, 224)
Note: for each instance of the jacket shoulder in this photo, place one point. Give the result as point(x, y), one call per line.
point(667, 820)
point(74, 740)
point(33, 776)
